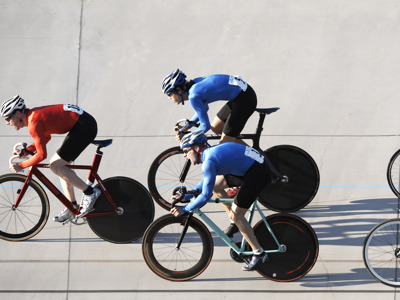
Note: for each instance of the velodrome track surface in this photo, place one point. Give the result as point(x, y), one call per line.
point(331, 66)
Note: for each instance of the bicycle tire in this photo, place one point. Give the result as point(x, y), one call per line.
point(32, 213)
point(301, 247)
point(138, 211)
point(164, 173)
point(162, 257)
point(381, 252)
point(303, 175)
point(393, 173)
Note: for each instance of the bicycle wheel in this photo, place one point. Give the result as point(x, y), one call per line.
point(24, 222)
point(301, 245)
point(381, 252)
point(303, 175)
point(165, 259)
point(137, 206)
point(164, 175)
point(393, 173)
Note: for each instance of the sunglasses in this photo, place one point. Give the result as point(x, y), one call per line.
point(186, 151)
point(9, 118)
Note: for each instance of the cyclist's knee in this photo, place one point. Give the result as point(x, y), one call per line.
point(236, 213)
point(56, 163)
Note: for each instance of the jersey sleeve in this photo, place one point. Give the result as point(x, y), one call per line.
point(40, 139)
point(201, 109)
point(206, 187)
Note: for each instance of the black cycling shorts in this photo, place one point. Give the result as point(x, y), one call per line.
point(79, 137)
point(236, 112)
point(257, 177)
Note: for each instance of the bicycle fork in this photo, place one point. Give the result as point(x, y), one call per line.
point(185, 228)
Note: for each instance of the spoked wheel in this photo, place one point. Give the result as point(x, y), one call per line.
point(299, 240)
point(25, 221)
point(393, 173)
point(381, 252)
point(303, 179)
point(174, 263)
point(165, 172)
point(136, 211)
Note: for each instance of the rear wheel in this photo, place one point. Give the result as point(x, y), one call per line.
point(301, 245)
point(303, 179)
point(137, 211)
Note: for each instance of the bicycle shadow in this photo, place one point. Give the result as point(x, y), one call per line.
point(343, 225)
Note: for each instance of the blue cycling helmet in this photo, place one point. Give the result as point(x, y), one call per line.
point(193, 138)
point(173, 80)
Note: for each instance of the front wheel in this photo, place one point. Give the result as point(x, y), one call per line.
point(381, 252)
point(136, 206)
point(29, 218)
point(301, 245)
point(165, 174)
point(166, 259)
point(303, 176)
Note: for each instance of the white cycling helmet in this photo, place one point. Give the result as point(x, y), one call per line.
point(12, 104)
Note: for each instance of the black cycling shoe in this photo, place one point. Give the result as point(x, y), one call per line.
point(255, 262)
point(231, 230)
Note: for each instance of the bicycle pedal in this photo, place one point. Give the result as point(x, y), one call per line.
point(65, 222)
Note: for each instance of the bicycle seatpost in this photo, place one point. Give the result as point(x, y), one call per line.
point(256, 140)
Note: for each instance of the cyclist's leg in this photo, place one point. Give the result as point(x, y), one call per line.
point(241, 108)
point(237, 214)
point(80, 136)
point(68, 177)
point(256, 178)
point(219, 123)
point(219, 192)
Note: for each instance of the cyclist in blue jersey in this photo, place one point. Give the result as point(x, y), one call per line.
point(228, 158)
point(200, 92)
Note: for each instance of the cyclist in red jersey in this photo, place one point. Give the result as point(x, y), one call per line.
point(44, 121)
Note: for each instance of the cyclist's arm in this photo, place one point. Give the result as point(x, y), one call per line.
point(206, 187)
point(201, 115)
point(39, 144)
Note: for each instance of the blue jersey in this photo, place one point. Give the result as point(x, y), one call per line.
point(212, 88)
point(222, 159)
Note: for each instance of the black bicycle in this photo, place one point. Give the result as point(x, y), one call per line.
point(296, 183)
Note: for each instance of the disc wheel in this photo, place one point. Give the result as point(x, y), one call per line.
point(303, 179)
point(136, 207)
point(299, 240)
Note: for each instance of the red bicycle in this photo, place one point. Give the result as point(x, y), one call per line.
point(121, 214)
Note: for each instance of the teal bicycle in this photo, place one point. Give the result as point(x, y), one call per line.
point(181, 248)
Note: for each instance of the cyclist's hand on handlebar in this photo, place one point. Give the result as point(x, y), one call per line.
point(15, 167)
point(177, 211)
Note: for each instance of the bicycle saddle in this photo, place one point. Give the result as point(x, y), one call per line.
point(103, 143)
point(267, 110)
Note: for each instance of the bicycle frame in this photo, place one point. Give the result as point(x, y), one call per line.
point(280, 247)
point(34, 171)
point(255, 137)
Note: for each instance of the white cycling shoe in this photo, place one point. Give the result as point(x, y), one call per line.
point(88, 202)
